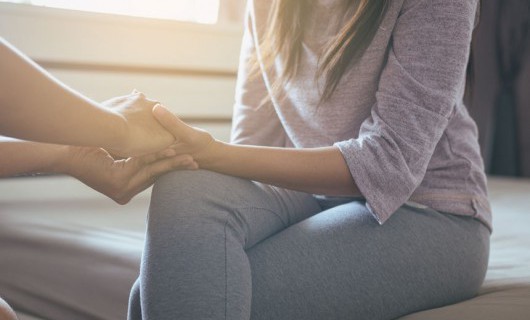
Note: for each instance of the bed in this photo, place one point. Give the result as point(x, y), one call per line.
point(68, 253)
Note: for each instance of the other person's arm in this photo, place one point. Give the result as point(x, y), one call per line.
point(119, 179)
point(35, 106)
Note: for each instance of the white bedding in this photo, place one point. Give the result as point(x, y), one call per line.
point(72, 257)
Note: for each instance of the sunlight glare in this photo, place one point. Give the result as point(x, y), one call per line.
point(202, 11)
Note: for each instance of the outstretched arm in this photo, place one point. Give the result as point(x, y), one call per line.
point(315, 170)
point(119, 179)
point(36, 106)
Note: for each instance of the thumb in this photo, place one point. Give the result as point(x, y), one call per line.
point(171, 122)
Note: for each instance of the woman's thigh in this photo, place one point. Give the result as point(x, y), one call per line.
point(203, 199)
point(340, 264)
point(194, 263)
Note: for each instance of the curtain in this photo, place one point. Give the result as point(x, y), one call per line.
point(498, 96)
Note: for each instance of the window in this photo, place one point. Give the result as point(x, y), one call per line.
point(201, 11)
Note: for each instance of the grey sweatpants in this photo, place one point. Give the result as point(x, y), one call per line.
point(220, 247)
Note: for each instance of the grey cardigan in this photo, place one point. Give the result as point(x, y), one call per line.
point(397, 116)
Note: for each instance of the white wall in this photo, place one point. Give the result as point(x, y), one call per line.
point(189, 67)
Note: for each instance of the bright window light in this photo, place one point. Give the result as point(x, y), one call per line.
point(201, 11)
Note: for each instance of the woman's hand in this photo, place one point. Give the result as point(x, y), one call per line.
point(188, 140)
point(312, 170)
point(141, 133)
point(122, 179)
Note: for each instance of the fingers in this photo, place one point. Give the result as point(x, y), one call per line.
point(171, 123)
point(159, 167)
point(146, 176)
point(142, 96)
point(153, 170)
point(150, 158)
point(134, 95)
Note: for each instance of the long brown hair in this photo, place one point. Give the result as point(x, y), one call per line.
point(285, 32)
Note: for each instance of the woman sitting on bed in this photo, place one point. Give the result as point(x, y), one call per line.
point(353, 187)
point(35, 106)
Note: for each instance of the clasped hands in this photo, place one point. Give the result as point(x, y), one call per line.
point(151, 141)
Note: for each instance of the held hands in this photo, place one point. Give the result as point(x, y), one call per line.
point(158, 140)
point(188, 140)
point(140, 133)
point(122, 179)
point(143, 134)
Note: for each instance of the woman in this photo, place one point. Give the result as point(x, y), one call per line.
point(36, 106)
point(370, 199)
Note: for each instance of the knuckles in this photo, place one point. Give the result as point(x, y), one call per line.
point(141, 97)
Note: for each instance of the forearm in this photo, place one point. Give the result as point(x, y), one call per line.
point(18, 157)
point(313, 170)
point(316, 170)
point(32, 102)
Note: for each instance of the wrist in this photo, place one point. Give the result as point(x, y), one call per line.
point(210, 155)
point(117, 139)
point(62, 160)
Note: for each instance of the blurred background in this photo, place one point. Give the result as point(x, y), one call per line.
point(498, 94)
point(181, 52)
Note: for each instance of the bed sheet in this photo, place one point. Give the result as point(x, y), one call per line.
point(505, 293)
point(77, 258)
point(69, 256)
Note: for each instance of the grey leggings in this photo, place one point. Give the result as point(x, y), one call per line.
point(220, 247)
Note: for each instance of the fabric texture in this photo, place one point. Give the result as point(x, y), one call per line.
point(220, 247)
point(397, 115)
point(505, 292)
point(65, 259)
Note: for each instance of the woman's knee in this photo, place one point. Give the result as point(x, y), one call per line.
point(181, 184)
point(178, 186)
point(187, 196)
